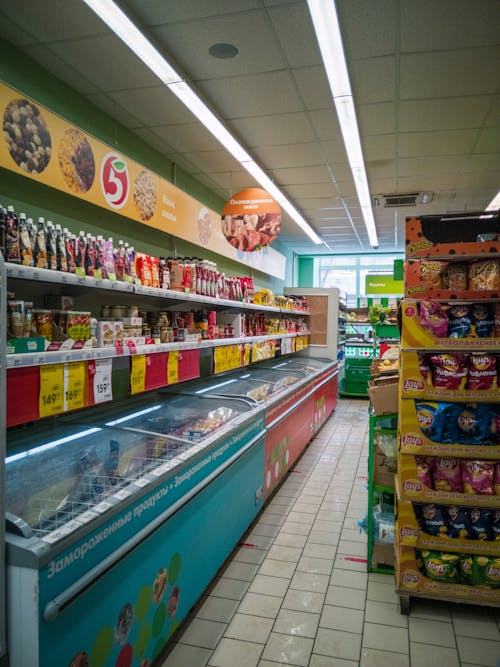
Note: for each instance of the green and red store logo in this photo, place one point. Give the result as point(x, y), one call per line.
point(114, 180)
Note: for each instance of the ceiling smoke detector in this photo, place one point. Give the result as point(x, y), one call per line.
point(404, 199)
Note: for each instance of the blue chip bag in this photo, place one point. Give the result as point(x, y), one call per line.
point(495, 525)
point(481, 523)
point(438, 421)
point(482, 321)
point(434, 520)
point(474, 424)
point(459, 322)
point(459, 523)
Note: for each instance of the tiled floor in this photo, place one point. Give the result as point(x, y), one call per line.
point(298, 593)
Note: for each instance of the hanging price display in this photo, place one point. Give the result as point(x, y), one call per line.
point(74, 385)
point(103, 390)
point(51, 398)
point(138, 374)
point(173, 367)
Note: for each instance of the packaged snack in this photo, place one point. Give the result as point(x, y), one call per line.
point(480, 521)
point(438, 421)
point(447, 474)
point(434, 520)
point(440, 566)
point(495, 525)
point(478, 477)
point(474, 424)
point(434, 317)
point(486, 572)
point(25, 242)
point(424, 367)
point(455, 276)
point(449, 370)
point(482, 373)
point(482, 321)
point(465, 570)
point(424, 470)
point(43, 323)
point(430, 273)
point(459, 322)
point(459, 523)
point(496, 319)
point(496, 479)
point(484, 274)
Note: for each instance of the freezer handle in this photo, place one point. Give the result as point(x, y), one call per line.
point(291, 409)
point(53, 608)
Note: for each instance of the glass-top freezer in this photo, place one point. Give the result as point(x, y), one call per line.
point(306, 365)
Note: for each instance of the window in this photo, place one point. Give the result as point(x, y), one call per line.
point(348, 272)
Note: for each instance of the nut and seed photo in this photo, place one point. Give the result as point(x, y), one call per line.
point(76, 161)
point(26, 135)
point(145, 195)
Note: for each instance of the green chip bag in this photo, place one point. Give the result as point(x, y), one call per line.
point(486, 571)
point(441, 566)
point(465, 569)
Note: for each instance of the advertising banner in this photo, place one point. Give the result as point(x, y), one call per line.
point(251, 219)
point(383, 285)
point(41, 145)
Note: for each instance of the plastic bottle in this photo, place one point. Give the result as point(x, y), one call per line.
point(62, 263)
point(25, 241)
point(99, 268)
point(41, 245)
point(119, 255)
point(12, 249)
point(51, 241)
point(32, 233)
point(90, 255)
point(80, 253)
point(69, 243)
point(109, 259)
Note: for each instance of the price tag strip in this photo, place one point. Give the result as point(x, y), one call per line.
point(173, 367)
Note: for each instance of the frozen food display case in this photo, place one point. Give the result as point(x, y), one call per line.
point(118, 523)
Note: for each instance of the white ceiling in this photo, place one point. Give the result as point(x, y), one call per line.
point(425, 77)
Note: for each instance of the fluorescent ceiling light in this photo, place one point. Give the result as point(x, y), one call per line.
point(127, 31)
point(494, 204)
point(326, 25)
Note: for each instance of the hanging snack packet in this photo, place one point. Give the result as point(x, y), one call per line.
point(465, 570)
point(460, 322)
point(434, 520)
point(459, 523)
point(440, 567)
point(495, 525)
point(478, 477)
point(482, 321)
point(474, 424)
point(438, 421)
point(433, 317)
point(447, 474)
point(424, 470)
point(484, 274)
point(431, 272)
point(486, 572)
point(449, 370)
point(482, 373)
point(480, 520)
point(455, 277)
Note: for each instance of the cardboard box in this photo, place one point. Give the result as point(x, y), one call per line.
point(383, 554)
point(383, 471)
point(383, 393)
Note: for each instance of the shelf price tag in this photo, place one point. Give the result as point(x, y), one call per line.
point(246, 354)
point(173, 367)
point(74, 385)
point(138, 374)
point(220, 359)
point(51, 398)
point(103, 390)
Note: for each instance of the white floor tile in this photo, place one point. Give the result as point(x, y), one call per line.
point(293, 622)
point(217, 609)
point(467, 624)
point(266, 585)
point(313, 550)
point(307, 581)
point(423, 655)
point(385, 613)
point(243, 571)
point(290, 554)
point(289, 649)
point(232, 652)
point(260, 605)
point(352, 598)
point(277, 568)
point(327, 661)
point(182, 655)
point(289, 540)
point(349, 579)
point(304, 601)
point(337, 644)
point(315, 565)
point(371, 657)
point(250, 555)
point(385, 638)
point(229, 588)
point(342, 618)
point(431, 632)
point(469, 649)
point(249, 628)
point(203, 633)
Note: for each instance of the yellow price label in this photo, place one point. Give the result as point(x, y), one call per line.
point(51, 397)
point(74, 385)
point(220, 359)
point(173, 367)
point(246, 354)
point(138, 374)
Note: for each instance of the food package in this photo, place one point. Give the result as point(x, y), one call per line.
point(455, 276)
point(459, 322)
point(433, 316)
point(447, 474)
point(482, 373)
point(431, 273)
point(484, 274)
point(449, 370)
point(478, 477)
point(482, 320)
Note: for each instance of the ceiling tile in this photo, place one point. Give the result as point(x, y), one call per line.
point(155, 106)
point(302, 175)
point(290, 155)
point(424, 182)
point(325, 123)
point(455, 142)
point(373, 79)
point(335, 151)
point(379, 147)
point(484, 162)
point(313, 87)
point(381, 168)
point(454, 73)
point(493, 118)
point(368, 28)
point(376, 118)
point(311, 190)
point(428, 25)
point(296, 34)
point(154, 12)
point(210, 161)
point(346, 188)
point(273, 130)
point(59, 68)
point(443, 114)
point(17, 35)
point(251, 32)
point(243, 96)
point(430, 165)
point(113, 110)
point(183, 161)
point(106, 61)
point(188, 138)
point(489, 141)
point(43, 19)
point(382, 185)
point(233, 180)
point(151, 138)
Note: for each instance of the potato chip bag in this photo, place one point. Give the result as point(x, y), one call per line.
point(449, 371)
point(447, 474)
point(480, 520)
point(434, 317)
point(434, 520)
point(482, 320)
point(496, 480)
point(474, 424)
point(440, 566)
point(486, 571)
point(424, 470)
point(456, 276)
point(459, 322)
point(465, 570)
point(482, 373)
point(477, 477)
point(495, 525)
point(431, 272)
point(484, 274)
point(425, 367)
point(438, 421)
point(459, 523)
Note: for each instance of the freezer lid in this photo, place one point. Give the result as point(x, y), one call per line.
point(309, 365)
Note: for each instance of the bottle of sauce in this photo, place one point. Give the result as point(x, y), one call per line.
point(80, 254)
point(62, 264)
point(25, 241)
point(41, 245)
point(12, 247)
point(51, 242)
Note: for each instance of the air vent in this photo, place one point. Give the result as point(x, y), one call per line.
point(406, 199)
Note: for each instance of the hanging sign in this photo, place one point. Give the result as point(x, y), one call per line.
point(251, 220)
point(383, 285)
point(41, 145)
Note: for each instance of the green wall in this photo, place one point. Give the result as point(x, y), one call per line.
point(36, 199)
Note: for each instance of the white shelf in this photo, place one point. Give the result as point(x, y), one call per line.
point(66, 356)
point(60, 278)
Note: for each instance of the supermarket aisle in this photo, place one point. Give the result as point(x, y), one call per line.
point(296, 591)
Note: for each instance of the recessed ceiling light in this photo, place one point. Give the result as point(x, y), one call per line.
point(223, 50)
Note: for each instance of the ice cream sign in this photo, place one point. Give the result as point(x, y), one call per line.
point(251, 220)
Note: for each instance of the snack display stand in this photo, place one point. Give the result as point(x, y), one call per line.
point(447, 508)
